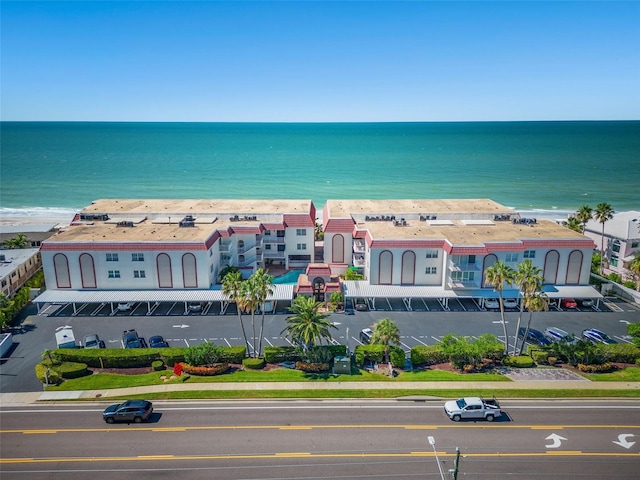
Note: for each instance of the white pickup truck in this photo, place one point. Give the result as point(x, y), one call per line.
point(472, 407)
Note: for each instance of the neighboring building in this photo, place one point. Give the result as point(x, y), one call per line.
point(442, 248)
point(176, 244)
point(17, 266)
point(621, 240)
point(35, 233)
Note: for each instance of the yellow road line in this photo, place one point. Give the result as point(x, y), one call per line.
point(566, 453)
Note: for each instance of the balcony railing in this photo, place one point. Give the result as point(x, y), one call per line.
point(358, 247)
point(358, 261)
point(463, 267)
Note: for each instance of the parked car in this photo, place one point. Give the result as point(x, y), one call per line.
point(158, 342)
point(585, 302)
point(535, 336)
point(472, 407)
point(130, 339)
point(510, 303)
point(492, 303)
point(569, 303)
point(123, 307)
point(361, 305)
point(365, 336)
point(556, 334)
point(597, 336)
point(135, 411)
point(93, 341)
point(195, 306)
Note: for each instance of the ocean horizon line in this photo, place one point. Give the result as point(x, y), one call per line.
point(325, 122)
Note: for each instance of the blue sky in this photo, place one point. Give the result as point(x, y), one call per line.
point(274, 61)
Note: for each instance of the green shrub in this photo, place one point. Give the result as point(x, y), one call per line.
point(371, 353)
point(233, 354)
point(603, 368)
point(622, 353)
point(253, 363)
point(428, 355)
point(522, 361)
point(280, 354)
point(71, 370)
point(158, 365)
point(397, 356)
point(111, 357)
point(171, 356)
point(41, 369)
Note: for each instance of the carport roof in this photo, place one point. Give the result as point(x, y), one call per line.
point(280, 292)
point(362, 289)
point(571, 291)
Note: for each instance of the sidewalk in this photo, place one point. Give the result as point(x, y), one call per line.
point(21, 398)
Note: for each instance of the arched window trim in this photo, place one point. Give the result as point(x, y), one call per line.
point(485, 265)
point(334, 258)
point(413, 272)
point(66, 265)
point(170, 270)
point(566, 279)
point(195, 272)
point(390, 269)
point(555, 276)
point(93, 269)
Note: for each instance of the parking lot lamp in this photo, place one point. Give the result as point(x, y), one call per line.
point(432, 442)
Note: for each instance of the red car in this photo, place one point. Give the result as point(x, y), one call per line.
point(569, 303)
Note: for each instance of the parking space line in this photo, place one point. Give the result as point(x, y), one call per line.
point(419, 340)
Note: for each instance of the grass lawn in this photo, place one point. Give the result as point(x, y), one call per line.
point(101, 381)
point(629, 374)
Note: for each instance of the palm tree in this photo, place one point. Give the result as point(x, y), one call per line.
point(308, 325)
point(583, 215)
point(17, 242)
point(385, 332)
point(604, 212)
point(232, 288)
point(262, 285)
point(572, 223)
point(497, 275)
point(537, 302)
point(529, 279)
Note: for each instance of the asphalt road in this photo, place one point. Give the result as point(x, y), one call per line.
point(416, 328)
point(323, 439)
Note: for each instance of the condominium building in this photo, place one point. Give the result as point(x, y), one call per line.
point(442, 248)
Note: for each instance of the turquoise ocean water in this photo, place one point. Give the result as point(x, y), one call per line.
point(50, 167)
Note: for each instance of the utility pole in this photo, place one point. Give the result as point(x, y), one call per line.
point(454, 472)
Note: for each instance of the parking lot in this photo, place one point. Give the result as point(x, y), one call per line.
point(195, 327)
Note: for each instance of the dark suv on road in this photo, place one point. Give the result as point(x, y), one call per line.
point(135, 411)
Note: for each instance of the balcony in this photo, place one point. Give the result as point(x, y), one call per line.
point(271, 240)
point(462, 267)
point(463, 284)
point(225, 247)
point(358, 246)
point(358, 261)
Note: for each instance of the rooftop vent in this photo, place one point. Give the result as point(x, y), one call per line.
point(187, 221)
point(524, 221)
point(124, 224)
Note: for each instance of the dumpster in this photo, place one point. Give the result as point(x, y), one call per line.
point(342, 365)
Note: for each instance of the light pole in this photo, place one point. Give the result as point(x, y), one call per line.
point(432, 442)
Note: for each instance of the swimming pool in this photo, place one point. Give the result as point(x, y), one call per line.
point(289, 278)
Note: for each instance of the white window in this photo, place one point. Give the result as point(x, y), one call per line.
point(529, 254)
point(114, 273)
point(137, 257)
point(112, 257)
point(431, 270)
point(301, 232)
point(432, 254)
point(139, 274)
point(511, 257)
point(302, 246)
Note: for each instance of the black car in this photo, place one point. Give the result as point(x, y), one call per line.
point(158, 342)
point(130, 339)
point(535, 336)
point(135, 411)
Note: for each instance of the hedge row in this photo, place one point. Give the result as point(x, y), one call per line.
point(428, 355)
point(138, 357)
point(58, 371)
point(375, 354)
point(291, 354)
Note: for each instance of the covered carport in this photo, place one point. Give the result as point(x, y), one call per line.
point(361, 289)
point(152, 298)
point(558, 292)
